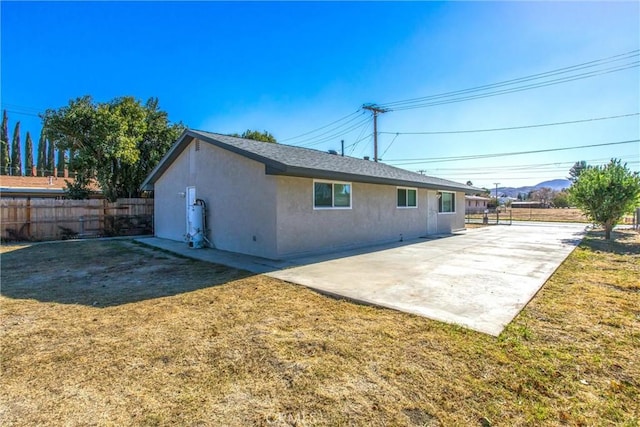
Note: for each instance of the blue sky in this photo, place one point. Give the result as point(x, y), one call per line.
point(290, 68)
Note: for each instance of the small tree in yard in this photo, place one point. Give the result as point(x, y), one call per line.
point(606, 193)
point(561, 199)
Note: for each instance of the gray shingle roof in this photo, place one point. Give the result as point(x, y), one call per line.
point(280, 159)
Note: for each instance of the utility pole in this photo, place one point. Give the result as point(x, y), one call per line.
point(342, 144)
point(375, 110)
point(421, 171)
point(497, 208)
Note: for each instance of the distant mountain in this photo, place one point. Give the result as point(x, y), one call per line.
point(554, 184)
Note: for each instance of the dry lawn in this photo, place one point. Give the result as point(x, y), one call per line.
point(553, 215)
point(114, 333)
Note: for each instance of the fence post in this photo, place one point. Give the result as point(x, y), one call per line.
point(28, 218)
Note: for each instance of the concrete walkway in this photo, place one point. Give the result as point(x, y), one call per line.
point(230, 259)
point(479, 279)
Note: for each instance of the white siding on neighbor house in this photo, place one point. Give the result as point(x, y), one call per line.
point(240, 199)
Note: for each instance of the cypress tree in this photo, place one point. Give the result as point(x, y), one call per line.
point(42, 154)
point(72, 155)
point(28, 162)
point(51, 149)
point(16, 158)
point(61, 161)
point(5, 158)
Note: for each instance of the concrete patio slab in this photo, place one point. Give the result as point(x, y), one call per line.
point(230, 259)
point(480, 279)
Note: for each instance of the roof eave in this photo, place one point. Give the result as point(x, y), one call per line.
point(184, 140)
point(341, 176)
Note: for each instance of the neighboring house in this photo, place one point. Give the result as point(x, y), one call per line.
point(43, 187)
point(530, 204)
point(278, 201)
point(476, 204)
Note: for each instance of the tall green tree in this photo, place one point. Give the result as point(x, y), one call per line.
point(606, 193)
point(117, 142)
point(28, 161)
point(16, 157)
point(576, 170)
point(560, 199)
point(5, 158)
point(256, 136)
point(51, 159)
point(62, 161)
point(41, 162)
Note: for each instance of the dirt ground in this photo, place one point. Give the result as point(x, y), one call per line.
point(115, 333)
point(102, 273)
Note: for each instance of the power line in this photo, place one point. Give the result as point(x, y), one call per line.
point(390, 144)
point(594, 63)
point(514, 153)
point(359, 138)
point(22, 107)
point(20, 113)
point(528, 166)
point(522, 88)
point(337, 133)
point(321, 127)
point(512, 127)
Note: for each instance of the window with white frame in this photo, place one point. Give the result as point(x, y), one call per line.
point(446, 202)
point(331, 195)
point(407, 197)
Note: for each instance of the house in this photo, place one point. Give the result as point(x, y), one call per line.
point(41, 187)
point(529, 204)
point(476, 204)
point(278, 201)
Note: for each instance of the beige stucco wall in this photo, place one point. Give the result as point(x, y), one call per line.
point(448, 222)
point(373, 218)
point(240, 200)
point(273, 216)
point(169, 213)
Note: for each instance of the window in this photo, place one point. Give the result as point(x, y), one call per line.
point(447, 202)
point(407, 197)
point(331, 195)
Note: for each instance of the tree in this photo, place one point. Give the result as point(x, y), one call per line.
point(61, 162)
point(606, 193)
point(41, 164)
point(561, 199)
point(28, 162)
point(16, 158)
point(51, 150)
point(5, 158)
point(544, 195)
point(257, 136)
point(576, 170)
point(117, 142)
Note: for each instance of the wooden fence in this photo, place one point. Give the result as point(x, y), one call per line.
point(50, 219)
